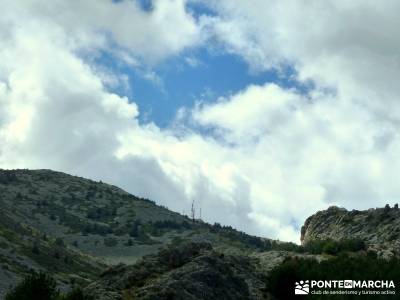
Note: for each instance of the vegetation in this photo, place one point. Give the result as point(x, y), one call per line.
point(110, 242)
point(76, 294)
point(8, 177)
point(327, 246)
point(102, 213)
point(41, 286)
point(189, 271)
point(333, 247)
point(235, 235)
point(38, 284)
point(282, 279)
point(170, 224)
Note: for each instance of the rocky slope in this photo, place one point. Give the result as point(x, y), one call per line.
point(191, 271)
point(74, 227)
point(379, 228)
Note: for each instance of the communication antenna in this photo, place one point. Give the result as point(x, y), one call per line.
point(193, 211)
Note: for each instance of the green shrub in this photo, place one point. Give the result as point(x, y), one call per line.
point(42, 286)
point(59, 242)
point(330, 247)
point(286, 246)
point(334, 247)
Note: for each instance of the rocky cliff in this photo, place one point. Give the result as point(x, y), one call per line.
point(379, 228)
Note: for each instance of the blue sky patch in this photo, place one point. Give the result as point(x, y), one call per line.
point(199, 75)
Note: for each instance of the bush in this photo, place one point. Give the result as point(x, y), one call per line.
point(334, 247)
point(286, 246)
point(330, 247)
point(42, 286)
point(110, 242)
point(59, 242)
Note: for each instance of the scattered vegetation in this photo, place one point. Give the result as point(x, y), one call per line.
point(333, 247)
point(8, 177)
point(327, 246)
point(110, 242)
point(235, 235)
point(102, 213)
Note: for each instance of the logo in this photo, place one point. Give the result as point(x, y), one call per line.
point(345, 287)
point(302, 287)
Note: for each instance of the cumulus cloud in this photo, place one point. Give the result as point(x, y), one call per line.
point(346, 45)
point(269, 157)
point(342, 136)
point(151, 35)
point(250, 113)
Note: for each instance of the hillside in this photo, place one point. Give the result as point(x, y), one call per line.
point(121, 247)
point(192, 271)
point(49, 218)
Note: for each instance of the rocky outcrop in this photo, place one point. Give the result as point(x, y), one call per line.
point(379, 228)
point(190, 271)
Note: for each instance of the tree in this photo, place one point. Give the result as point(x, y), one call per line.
point(134, 232)
point(386, 209)
point(39, 285)
point(59, 242)
point(57, 255)
point(35, 249)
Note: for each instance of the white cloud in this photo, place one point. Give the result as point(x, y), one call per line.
point(151, 35)
point(348, 45)
point(250, 113)
point(275, 155)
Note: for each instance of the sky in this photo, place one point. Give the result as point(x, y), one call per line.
point(261, 112)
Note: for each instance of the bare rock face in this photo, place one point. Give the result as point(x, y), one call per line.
point(379, 228)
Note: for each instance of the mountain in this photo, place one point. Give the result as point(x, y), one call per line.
point(75, 227)
point(121, 247)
